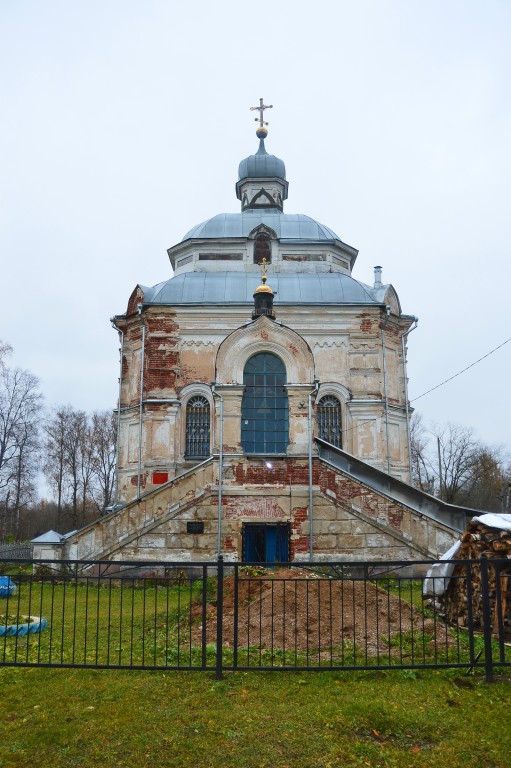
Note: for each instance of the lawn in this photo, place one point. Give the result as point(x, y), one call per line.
point(172, 623)
point(87, 717)
point(103, 622)
point(57, 718)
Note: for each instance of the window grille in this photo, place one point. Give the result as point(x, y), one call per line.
point(197, 427)
point(329, 420)
point(262, 248)
point(264, 409)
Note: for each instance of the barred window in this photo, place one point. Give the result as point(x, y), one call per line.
point(329, 420)
point(197, 427)
point(262, 248)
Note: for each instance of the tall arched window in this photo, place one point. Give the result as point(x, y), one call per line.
point(262, 248)
point(264, 409)
point(197, 427)
point(329, 420)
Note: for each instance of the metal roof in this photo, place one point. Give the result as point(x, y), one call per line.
point(238, 288)
point(50, 537)
point(261, 165)
point(287, 226)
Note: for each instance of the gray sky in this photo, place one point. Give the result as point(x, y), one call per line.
point(123, 124)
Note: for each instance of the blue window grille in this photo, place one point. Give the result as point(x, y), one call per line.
point(264, 409)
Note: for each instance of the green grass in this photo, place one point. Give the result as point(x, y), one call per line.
point(72, 718)
point(136, 623)
point(112, 624)
point(65, 718)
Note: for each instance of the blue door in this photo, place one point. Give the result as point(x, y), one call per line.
point(264, 543)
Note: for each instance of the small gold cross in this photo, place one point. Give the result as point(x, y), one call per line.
point(263, 271)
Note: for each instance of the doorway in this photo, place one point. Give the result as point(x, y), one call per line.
point(266, 543)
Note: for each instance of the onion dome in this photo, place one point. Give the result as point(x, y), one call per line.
point(262, 179)
point(262, 165)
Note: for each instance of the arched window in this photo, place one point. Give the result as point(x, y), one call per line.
point(262, 248)
point(197, 427)
point(264, 409)
point(329, 420)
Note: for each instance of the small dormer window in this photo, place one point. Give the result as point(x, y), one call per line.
point(262, 248)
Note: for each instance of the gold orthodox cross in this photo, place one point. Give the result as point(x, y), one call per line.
point(263, 269)
point(261, 109)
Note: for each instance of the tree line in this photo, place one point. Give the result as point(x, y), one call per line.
point(451, 463)
point(72, 449)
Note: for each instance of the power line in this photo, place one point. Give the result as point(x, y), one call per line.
point(368, 421)
point(460, 372)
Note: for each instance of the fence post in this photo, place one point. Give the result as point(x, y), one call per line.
point(485, 595)
point(236, 616)
point(219, 617)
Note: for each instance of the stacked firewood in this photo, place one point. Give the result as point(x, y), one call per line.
point(495, 543)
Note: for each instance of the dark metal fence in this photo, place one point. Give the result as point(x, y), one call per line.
point(235, 616)
point(21, 550)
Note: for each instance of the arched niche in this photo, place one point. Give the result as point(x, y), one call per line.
point(264, 335)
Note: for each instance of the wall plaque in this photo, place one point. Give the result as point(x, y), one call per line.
point(195, 526)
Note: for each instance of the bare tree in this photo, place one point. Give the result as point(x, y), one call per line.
point(452, 462)
point(490, 484)
point(458, 462)
point(68, 461)
point(104, 435)
point(5, 351)
point(422, 474)
point(24, 473)
point(80, 459)
point(56, 429)
point(20, 408)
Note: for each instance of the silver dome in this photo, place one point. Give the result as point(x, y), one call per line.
point(192, 288)
point(287, 226)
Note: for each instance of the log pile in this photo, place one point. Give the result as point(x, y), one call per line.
point(495, 543)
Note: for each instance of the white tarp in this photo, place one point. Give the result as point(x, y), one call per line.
point(439, 575)
point(494, 520)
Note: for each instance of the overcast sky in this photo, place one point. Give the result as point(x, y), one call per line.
point(122, 125)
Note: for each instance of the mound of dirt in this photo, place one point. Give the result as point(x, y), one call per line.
point(295, 610)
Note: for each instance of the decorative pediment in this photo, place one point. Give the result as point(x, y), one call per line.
point(262, 229)
point(392, 299)
point(264, 335)
point(136, 298)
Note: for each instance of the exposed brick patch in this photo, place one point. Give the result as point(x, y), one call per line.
point(282, 472)
point(302, 544)
point(143, 480)
point(260, 507)
point(162, 358)
point(366, 325)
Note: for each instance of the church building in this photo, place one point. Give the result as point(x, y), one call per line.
point(263, 409)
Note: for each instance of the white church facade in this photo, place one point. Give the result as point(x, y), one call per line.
point(263, 408)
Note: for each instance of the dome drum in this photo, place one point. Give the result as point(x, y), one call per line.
point(253, 195)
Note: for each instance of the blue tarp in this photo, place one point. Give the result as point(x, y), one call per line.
point(7, 586)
